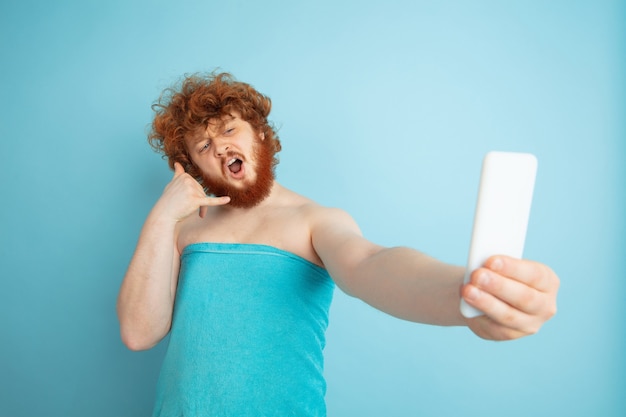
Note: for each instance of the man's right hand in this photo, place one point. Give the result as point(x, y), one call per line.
point(184, 195)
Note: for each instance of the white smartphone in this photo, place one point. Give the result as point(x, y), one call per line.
point(505, 195)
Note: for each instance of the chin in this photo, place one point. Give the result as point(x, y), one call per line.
point(253, 194)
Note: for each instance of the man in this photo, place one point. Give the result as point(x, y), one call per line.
point(239, 268)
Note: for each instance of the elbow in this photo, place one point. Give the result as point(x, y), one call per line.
point(136, 344)
point(138, 332)
point(138, 340)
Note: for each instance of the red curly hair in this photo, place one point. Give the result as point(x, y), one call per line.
point(199, 99)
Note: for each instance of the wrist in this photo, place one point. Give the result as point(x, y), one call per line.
point(160, 218)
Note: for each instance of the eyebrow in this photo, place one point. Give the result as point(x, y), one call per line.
point(196, 138)
point(225, 120)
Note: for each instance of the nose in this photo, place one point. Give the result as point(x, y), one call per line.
point(221, 149)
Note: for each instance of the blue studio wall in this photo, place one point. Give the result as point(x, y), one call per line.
point(385, 109)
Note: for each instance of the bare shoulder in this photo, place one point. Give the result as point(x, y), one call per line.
point(315, 228)
point(331, 218)
point(333, 231)
point(319, 216)
point(338, 241)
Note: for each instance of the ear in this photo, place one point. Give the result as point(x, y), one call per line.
point(262, 136)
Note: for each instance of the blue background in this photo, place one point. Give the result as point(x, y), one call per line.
point(385, 109)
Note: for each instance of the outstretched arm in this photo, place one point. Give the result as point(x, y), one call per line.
point(517, 299)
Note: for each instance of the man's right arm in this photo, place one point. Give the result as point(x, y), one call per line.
point(146, 299)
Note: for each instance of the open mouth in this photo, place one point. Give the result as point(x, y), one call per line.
point(234, 165)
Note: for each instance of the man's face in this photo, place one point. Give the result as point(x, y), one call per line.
point(233, 161)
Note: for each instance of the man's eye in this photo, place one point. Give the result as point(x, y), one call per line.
point(205, 146)
point(229, 131)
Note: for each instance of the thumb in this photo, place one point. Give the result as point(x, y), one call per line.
point(178, 169)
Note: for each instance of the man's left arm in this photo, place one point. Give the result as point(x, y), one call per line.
point(517, 296)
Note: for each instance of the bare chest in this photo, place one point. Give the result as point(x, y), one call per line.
point(288, 230)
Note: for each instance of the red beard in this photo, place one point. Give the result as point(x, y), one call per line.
point(252, 194)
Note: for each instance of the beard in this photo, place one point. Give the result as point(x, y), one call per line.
point(252, 193)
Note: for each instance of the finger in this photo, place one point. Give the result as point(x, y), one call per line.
point(488, 329)
point(178, 169)
point(212, 201)
point(512, 292)
point(530, 273)
point(207, 202)
point(500, 312)
point(218, 201)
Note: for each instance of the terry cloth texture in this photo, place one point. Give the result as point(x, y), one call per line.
point(247, 335)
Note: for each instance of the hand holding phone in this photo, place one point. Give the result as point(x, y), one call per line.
point(503, 207)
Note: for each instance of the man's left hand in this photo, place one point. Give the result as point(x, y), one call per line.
point(517, 297)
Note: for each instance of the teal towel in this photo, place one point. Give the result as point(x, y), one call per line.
point(247, 334)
